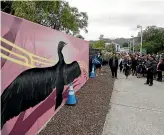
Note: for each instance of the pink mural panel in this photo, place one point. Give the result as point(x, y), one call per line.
point(23, 44)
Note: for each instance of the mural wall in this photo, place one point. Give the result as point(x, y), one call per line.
point(37, 65)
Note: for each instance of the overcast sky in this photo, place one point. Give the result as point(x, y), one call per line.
point(119, 18)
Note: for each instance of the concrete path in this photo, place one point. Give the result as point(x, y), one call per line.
point(136, 109)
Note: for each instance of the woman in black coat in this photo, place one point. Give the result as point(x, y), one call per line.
point(160, 68)
point(127, 66)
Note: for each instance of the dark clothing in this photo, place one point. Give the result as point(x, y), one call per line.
point(139, 62)
point(143, 71)
point(149, 66)
point(149, 77)
point(98, 66)
point(90, 64)
point(127, 67)
point(121, 66)
point(114, 72)
point(134, 65)
point(154, 68)
point(159, 73)
point(139, 66)
point(113, 63)
point(160, 68)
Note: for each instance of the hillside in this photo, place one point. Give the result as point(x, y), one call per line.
point(119, 41)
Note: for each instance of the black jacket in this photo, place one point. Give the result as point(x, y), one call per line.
point(149, 65)
point(134, 63)
point(161, 67)
point(111, 62)
point(127, 62)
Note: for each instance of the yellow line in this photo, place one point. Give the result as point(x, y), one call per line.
point(18, 55)
point(82, 64)
point(16, 61)
point(28, 65)
point(21, 49)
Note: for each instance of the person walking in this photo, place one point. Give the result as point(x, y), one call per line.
point(97, 61)
point(139, 67)
point(113, 63)
point(134, 65)
point(121, 64)
point(160, 68)
point(127, 65)
point(154, 67)
point(149, 68)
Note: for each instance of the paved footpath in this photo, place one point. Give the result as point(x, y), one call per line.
point(136, 109)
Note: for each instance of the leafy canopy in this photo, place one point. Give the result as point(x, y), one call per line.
point(58, 15)
point(153, 39)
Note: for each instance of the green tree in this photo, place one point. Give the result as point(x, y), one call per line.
point(58, 15)
point(153, 39)
point(66, 18)
point(110, 48)
point(125, 44)
point(98, 44)
point(26, 10)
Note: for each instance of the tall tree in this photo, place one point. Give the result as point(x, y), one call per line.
point(153, 38)
point(125, 44)
point(58, 15)
point(98, 44)
point(110, 48)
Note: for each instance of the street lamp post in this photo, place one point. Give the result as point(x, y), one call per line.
point(139, 26)
point(129, 46)
point(133, 43)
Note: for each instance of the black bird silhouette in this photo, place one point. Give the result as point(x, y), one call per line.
point(36, 84)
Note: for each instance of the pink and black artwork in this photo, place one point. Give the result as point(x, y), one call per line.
point(37, 66)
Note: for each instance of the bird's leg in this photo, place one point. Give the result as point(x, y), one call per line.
point(59, 93)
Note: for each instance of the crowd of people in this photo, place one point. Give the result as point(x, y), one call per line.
point(148, 66)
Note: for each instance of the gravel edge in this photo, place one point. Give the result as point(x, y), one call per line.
point(89, 114)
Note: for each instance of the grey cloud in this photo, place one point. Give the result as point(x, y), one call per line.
point(130, 14)
point(130, 20)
